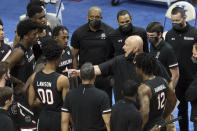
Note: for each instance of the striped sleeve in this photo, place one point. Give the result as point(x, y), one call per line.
point(63, 109)
point(173, 65)
point(66, 105)
point(107, 111)
point(105, 107)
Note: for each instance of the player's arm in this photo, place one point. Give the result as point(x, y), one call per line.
point(75, 56)
point(74, 65)
point(19, 85)
point(144, 94)
point(33, 101)
point(175, 76)
point(63, 85)
point(106, 118)
point(16, 55)
point(65, 116)
point(170, 103)
point(75, 72)
point(75, 53)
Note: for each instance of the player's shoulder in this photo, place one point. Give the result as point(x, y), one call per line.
point(62, 78)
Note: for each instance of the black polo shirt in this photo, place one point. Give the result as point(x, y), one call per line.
point(122, 68)
point(182, 43)
point(165, 54)
point(192, 97)
point(6, 123)
point(117, 39)
point(86, 104)
point(93, 46)
point(125, 116)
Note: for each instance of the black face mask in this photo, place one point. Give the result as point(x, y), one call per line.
point(194, 60)
point(153, 40)
point(178, 27)
point(126, 28)
point(130, 56)
point(95, 24)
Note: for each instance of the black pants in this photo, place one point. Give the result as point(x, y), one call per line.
point(180, 90)
point(49, 121)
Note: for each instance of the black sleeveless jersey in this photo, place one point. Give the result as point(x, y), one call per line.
point(159, 91)
point(37, 48)
point(66, 62)
point(45, 86)
point(5, 51)
point(24, 69)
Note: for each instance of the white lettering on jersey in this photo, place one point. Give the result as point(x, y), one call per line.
point(160, 88)
point(66, 62)
point(45, 84)
point(188, 38)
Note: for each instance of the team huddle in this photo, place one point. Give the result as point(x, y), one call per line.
point(47, 85)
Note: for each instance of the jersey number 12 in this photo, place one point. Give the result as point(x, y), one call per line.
point(161, 100)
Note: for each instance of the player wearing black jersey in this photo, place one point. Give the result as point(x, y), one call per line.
point(5, 49)
point(61, 35)
point(50, 88)
point(21, 64)
point(157, 100)
point(37, 14)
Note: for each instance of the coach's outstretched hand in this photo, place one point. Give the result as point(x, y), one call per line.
point(72, 72)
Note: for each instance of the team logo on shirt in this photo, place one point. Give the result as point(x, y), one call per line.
point(27, 118)
point(14, 109)
point(120, 41)
point(103, 36)
point(172, 38)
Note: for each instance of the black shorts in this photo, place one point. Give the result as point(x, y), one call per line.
point(49, 121)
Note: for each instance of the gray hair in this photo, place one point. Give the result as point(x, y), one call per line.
point(87, 71)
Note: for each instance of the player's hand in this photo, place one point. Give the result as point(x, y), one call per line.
point(155, 128)
point(72, 72)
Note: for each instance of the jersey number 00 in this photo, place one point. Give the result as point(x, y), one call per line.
point(46, 96)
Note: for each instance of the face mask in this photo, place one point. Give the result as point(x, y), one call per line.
point(131, 56)
point(126, 28)
point(95, 23)
point(194, 59)
point(178, 27)
point(153, 40)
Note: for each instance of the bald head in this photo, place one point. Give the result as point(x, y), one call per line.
point(133, 44)
point(94, 9)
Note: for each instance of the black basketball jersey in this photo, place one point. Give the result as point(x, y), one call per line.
point(45, 86)
point(24, 69)
point(159, 91)
point(5, 51)
point(37, 48)
point(66, 62)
